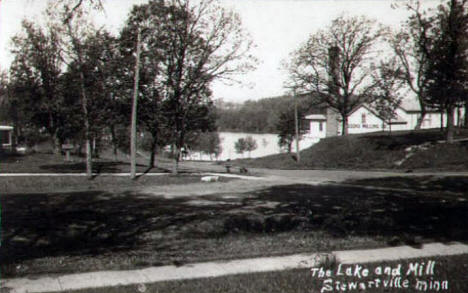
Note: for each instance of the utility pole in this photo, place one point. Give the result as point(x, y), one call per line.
point(296, 122)
point(134, 109)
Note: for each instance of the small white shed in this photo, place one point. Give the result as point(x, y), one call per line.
point(317, 125)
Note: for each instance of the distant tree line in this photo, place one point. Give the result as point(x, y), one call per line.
point(262, 116)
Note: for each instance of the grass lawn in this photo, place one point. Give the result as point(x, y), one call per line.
point(456, 186)
point(375, 151)
point(28, 184)
point(52, 163)
point(68, 232)
point(452, 269)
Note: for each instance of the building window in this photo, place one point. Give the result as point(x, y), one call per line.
point(320, 126)
point(363, 118)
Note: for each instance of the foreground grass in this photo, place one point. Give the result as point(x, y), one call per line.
point(100, 230)
point(375, 151)
point(453, 186)
point(23, 184)
point(453, 269)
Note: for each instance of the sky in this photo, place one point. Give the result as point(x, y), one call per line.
point(277, 27)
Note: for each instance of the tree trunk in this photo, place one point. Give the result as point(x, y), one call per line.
point(465, 122)
point(153, 153)
point(114, 141)
point(296, 126)
point(80, 149)
point(84, 105)
point(95, 151)
point(344, 125)
point(53, 131)
point(420, 120)
point(152, 159)
point(175, 167)
point(442, 120)
point(450, 123)
point(56, 145)
point(180, 142)
point(421, 117)
point(84, 99)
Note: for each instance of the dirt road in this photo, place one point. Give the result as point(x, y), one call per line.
point(271, 177)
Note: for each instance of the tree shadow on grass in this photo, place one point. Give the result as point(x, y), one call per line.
point(455, 184)
point(157, 169)
point(345, 211)
point(85, 223)
point(98, 167)
point(98, 222)
point(10, 158)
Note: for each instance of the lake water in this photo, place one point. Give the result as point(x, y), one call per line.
point(267, 144)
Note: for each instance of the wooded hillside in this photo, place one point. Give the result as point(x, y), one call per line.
point(260, 116)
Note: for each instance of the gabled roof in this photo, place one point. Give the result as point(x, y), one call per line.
point(411, 105)
point(398, 120)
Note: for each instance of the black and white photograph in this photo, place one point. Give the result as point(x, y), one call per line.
point(230, 146)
